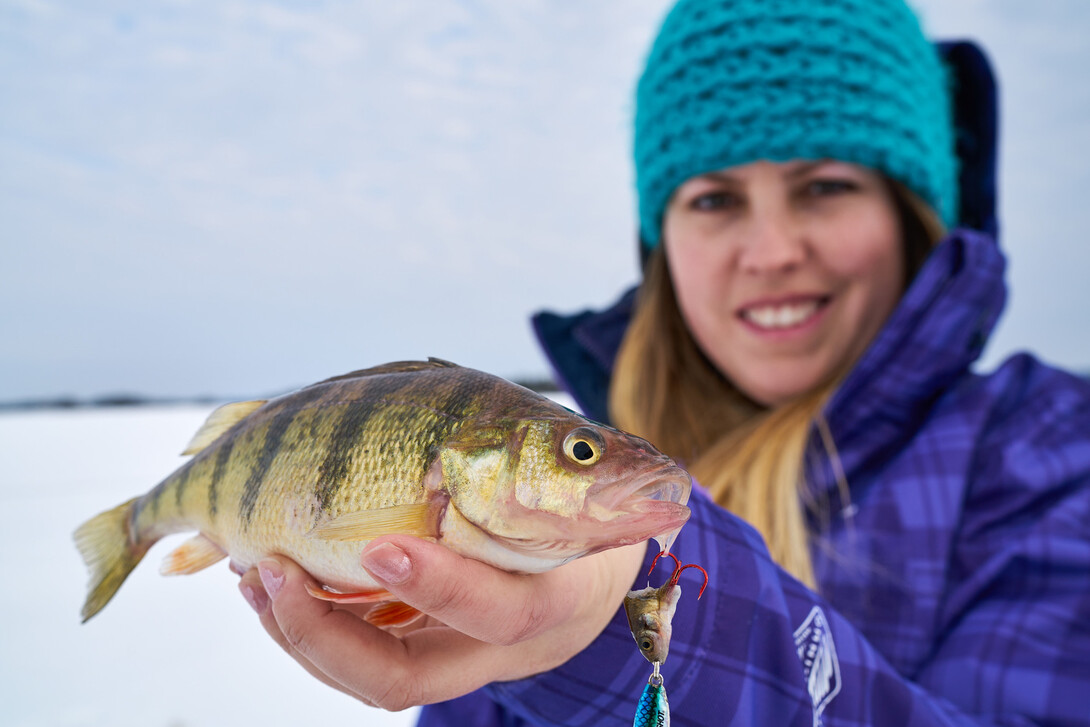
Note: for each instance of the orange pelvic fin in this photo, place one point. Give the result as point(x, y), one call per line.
point(394, 613)
point(192, 556)
point(420, 519)
point(389, 612)
point(376, 596)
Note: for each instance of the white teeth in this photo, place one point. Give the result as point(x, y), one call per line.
point(780, 316)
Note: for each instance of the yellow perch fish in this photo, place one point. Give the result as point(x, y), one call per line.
point(487, 468)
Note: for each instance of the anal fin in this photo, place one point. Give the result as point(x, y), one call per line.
point(192, 556)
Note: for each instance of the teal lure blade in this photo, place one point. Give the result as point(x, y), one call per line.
point(653, 709)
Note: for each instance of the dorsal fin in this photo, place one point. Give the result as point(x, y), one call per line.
point(394, 367)
point(219, 422)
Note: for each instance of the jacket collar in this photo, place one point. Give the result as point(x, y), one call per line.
point(937, 331)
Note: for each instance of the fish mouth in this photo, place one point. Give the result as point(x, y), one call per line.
point(650, 505)
point(666, 483)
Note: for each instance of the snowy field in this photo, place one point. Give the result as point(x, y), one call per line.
point(166, 652)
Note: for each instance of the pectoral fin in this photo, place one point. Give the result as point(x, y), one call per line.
point(218, 422)
point(420, 519)
point(193, 555)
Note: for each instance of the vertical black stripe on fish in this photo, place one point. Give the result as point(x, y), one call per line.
point(404, 402)
point(181, 482)
point(219, 468)
point(334, 470)
point(153, 499)
point(335, 467)
point(279, 425)
point(463, 399)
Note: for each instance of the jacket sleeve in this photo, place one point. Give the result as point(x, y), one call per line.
point(760, 648)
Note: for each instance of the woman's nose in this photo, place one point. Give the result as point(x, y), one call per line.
point(772, 244)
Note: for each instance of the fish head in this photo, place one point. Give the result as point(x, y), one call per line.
point(650, 614)
point(557, 488)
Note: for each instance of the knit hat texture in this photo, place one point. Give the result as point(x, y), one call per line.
point(729, 82)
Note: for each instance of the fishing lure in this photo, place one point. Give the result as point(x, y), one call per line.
point(650, 614)
point(653, 709)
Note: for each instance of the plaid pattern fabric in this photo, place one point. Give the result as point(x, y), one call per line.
point(954, 586)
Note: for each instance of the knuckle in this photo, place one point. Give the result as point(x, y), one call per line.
point(450, 596)
point(296, 636)
point(528, 622)
point(402, 692)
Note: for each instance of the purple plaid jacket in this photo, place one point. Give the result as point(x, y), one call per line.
point(954, 587)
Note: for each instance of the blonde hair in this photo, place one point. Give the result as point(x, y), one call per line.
point(750, 458)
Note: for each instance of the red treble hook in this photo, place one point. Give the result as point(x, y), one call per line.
point(678, 567)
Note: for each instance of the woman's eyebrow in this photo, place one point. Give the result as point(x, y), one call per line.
point(720, 176)
point(805, 168)
point(797, 170)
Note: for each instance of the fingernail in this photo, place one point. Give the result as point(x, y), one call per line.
point(257, 599)
point(272, 577)
point(388, 563)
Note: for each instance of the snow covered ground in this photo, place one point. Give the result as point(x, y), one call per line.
point(166, 652)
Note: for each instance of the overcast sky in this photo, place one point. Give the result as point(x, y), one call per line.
point(236, 198)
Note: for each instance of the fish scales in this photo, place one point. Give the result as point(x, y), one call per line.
point(392, 441)
point(458, 455)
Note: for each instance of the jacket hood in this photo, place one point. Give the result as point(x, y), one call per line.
point(976, 122)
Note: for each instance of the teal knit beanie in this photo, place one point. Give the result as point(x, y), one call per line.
point(729, 82)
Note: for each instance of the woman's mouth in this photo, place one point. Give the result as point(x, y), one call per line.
point(783, 315)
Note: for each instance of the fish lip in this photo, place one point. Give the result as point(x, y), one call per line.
point(658, 498)
point(666, 483)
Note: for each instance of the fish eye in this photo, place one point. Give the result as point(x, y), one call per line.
point(646, 644)
point(583, 446)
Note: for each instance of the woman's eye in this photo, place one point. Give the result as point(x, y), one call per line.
point(712, 201)
point(828, 187)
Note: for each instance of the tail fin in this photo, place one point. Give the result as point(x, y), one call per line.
point(110, 553)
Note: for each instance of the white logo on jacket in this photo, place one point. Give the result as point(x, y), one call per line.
point(814, 645)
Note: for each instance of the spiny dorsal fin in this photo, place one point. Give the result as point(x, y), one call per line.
point(219, 422)
point(418, 519)
point(394, 367)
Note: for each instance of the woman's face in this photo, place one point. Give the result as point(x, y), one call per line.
point(784, 272)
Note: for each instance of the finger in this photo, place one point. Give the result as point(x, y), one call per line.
point(254, 592)
point(484, 602)
point(366, 662)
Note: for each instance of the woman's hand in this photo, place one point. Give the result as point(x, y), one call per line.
point(483, 624)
